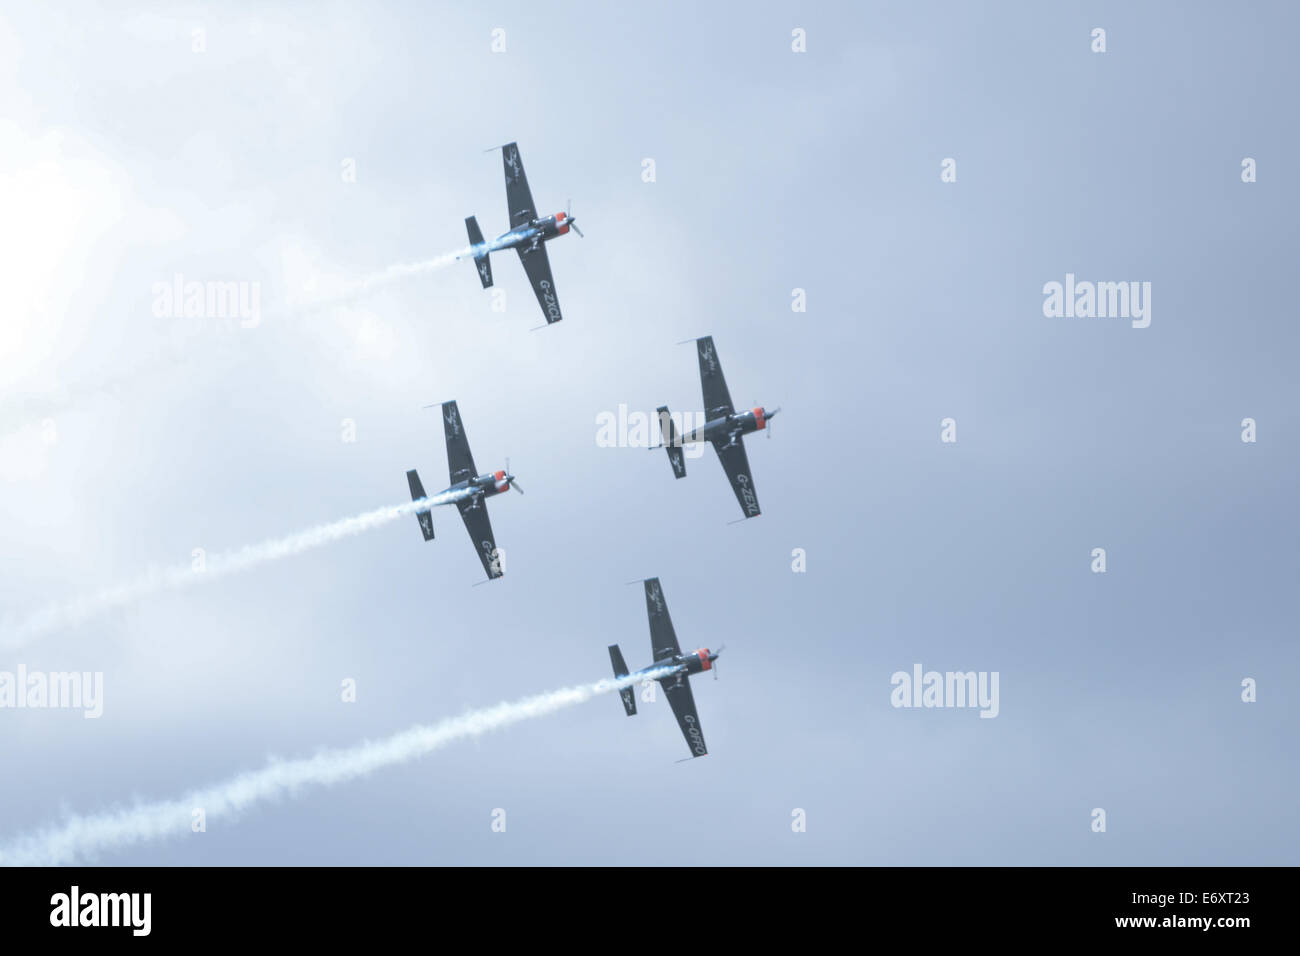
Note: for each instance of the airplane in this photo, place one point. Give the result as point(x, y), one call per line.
point(469, 492)
point(666, 654)
point(723, 426)
point(528, 236)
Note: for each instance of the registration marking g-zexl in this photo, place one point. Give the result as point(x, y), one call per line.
point(751, 502)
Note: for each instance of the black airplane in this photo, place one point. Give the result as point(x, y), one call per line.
point(723, 426)
point(469, 492)
point(671, 668)
point(528, 236)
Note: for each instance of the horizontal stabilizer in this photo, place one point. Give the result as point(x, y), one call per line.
point(672, 442)
point(620, 671)
point(424, 517)
point(481, 261)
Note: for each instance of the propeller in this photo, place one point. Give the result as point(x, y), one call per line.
point(768, 416)
point(716, 651)
point(568, 217)
point(510, 479)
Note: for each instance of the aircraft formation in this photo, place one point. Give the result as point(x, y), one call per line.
point(724, 428)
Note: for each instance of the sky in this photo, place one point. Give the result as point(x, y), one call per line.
point(298, 148)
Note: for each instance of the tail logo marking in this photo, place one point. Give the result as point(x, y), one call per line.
point(706, 353)
point(657, 597)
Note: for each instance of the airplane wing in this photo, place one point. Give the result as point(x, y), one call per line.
point(663, 639)
point(678, 689)
point(538, 267)
point(460, 463)
point(736, 464)
point(518, 197)
point(480, 532)
point(717, 400)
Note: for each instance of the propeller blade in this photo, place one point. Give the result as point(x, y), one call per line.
point(515, 485)
point(568, 214)
point(510, 478)
point(771, 415)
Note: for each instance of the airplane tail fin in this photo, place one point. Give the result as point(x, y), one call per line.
point(672, 442)
point(425, 517)
point(620, 671)
point(481, 261)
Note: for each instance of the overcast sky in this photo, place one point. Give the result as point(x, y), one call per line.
point(128, 440)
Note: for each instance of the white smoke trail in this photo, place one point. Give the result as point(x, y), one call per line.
point(401, 270)
point(349, 289)
point(15, 633)
point(20, 412)
point(82, 837)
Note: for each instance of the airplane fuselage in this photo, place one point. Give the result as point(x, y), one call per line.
point(482, 486)
point(533, 233)
point(691, 663)
point(729, 428)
